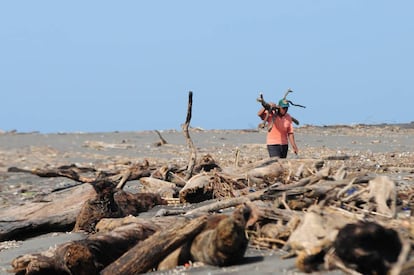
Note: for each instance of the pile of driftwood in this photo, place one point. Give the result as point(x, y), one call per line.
point(308, 208)
point(318, 211)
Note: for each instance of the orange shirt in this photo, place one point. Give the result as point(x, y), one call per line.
point(282, 126)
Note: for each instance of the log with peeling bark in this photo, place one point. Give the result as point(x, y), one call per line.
point(88, 256)
point(222, 242)
point(211, 185)
point(110, 202)
point(197, 189)
point(146, 255)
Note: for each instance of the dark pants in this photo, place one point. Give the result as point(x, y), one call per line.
point(278, 150)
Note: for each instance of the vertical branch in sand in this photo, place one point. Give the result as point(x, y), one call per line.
point(191, 162)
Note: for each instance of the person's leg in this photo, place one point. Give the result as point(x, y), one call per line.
point(274, 150)
point(284, 150)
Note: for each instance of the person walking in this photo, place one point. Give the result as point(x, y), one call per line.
point(280, 129)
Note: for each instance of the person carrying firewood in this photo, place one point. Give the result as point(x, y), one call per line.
point(279, 126)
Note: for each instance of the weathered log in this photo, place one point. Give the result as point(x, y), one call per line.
point(56, 212)
point(368, 245)
point(72, 171)
point(113, 203)
point(212, 185)
point(162, 223)
point(170, 173)
point(317, 226)
point(206, 163)
point(90, 174)
point(190, 144)
point(383, 191)
point(271, 173)
point(162, 140)
point(102, 206)
point(315, 235)
point(164, 188)
point(134, 172)
point(222, 242)
point(87, 256)
point(279, 215)
point(136, 203)
point(225, 203)
point(147, 254)
point(197, 189)
point(280, 230)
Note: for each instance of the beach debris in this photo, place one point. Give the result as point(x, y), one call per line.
point(368, 246)
point(383, 192)
point(162, 140)
point(193, 151)
point(71, 171)
point(56, 212)
point(100, 145)
point(164, 188)
point(331, 197)
point(146, 255)
point(206, 164)
point(222, 241)
point(88, 256)
point(111, 202)
point(304, 207)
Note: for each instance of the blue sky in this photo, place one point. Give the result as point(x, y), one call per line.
point(97, 66)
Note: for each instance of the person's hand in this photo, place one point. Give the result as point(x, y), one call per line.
point(295, 150)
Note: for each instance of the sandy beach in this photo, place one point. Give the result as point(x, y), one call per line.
point(384, 149)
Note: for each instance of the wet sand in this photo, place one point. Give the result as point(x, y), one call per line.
point(373, 146)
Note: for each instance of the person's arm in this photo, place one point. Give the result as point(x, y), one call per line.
point(292, 142)
point(261, 112)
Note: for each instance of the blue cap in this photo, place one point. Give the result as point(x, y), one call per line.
point(283, 103)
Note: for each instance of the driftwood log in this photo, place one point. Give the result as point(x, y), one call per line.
point(146, 255)
point(163, 188)
point(55, 212)
point(190, 144)
point(87, 256)
point(162, 140)
point(72, 171)
point(113, 203)
point(90, 174)
point(368, 245)
point(222, 241)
